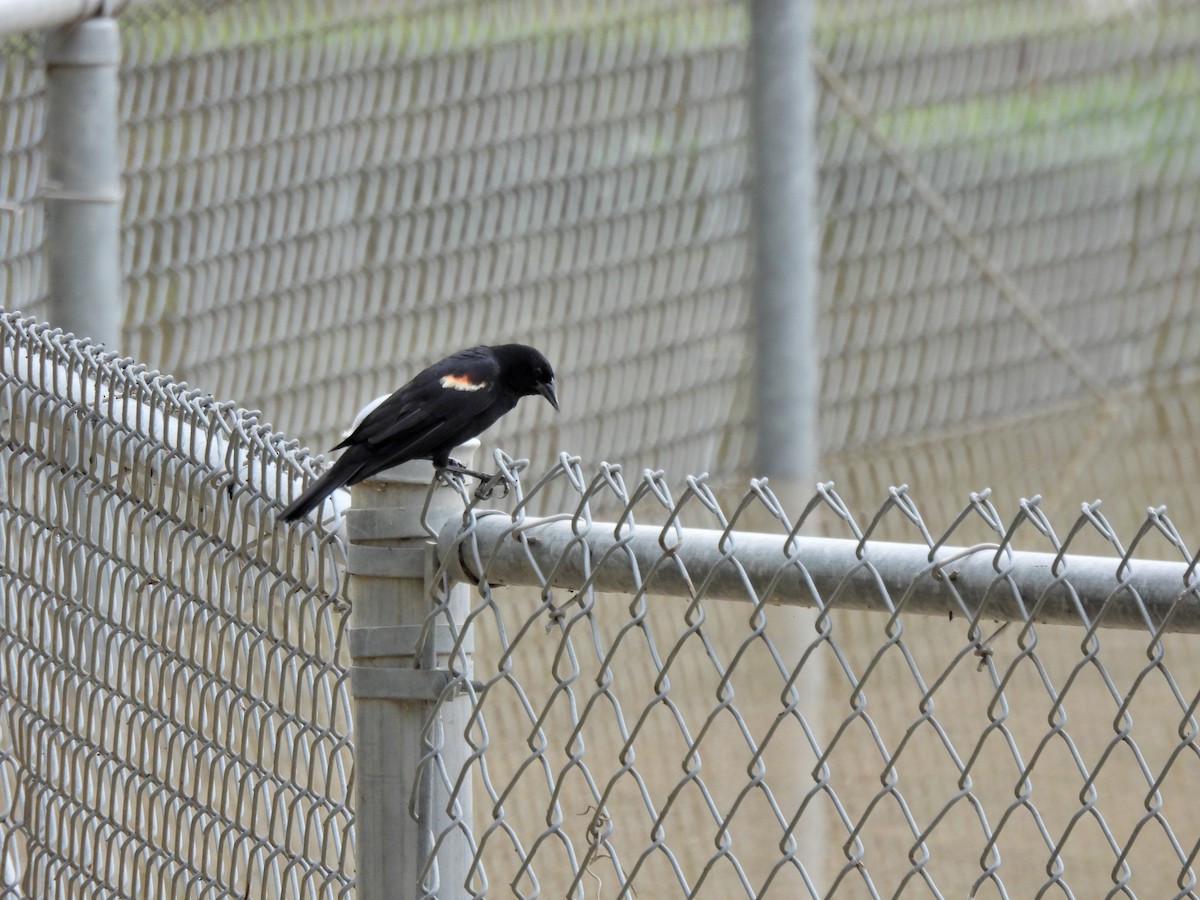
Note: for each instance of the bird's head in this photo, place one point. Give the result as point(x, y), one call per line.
point(527, 371)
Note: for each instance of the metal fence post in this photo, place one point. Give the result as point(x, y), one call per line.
point(395, 681)
point(784, 231)
point(785, 225)
point(83, 191)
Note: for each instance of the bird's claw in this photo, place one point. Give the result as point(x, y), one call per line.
point(487, 488)
point(487, 483)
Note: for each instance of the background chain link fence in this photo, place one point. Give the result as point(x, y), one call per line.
point(323, 196)
point(380, 184)
point(1009, 250)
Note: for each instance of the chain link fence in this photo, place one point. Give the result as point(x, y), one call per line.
point(378, 184)
point(1009, 255)
point(691, 736)
point(22, 220)
point(174, 722)
point(644, 718)
point(322, 196)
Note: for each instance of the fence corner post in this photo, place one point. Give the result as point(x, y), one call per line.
point(395, 682)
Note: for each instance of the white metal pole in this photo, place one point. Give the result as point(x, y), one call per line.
point(83, 187)
point(784, 228)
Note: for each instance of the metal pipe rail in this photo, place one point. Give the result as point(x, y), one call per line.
point(979, 582)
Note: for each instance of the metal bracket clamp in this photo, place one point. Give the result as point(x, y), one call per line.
point(397, 682)
point(395, 641)
point(386, 562)
point(394, 683)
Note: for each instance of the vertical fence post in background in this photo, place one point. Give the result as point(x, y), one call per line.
point(784, 230)
point(394, 682)
point(83, 187)
point(785, 226)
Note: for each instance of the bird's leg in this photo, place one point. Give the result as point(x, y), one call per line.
point(485, 489)
point(454, 467)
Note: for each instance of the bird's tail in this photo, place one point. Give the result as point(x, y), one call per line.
point(315, 493)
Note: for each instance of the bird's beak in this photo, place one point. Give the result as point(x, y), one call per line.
point(546, 389)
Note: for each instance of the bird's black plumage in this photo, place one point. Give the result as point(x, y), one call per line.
point(445, 405)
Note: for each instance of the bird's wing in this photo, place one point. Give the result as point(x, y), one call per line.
point(406, 415)
point(456, 389)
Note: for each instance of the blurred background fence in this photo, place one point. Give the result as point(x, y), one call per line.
point(322, 196)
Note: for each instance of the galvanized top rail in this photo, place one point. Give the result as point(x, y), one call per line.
point(987, 581)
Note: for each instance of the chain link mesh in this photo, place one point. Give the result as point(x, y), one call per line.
point(1009, 249)
point(650, 746)
point(1006, 190)
point(322, 196)
point(177, 718)
point(380, 184)
point(175, 721)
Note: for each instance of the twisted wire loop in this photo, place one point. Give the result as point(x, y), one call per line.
point(652, 716)
point(174, 718)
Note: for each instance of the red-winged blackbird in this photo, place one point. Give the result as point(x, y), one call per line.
point(447, 404)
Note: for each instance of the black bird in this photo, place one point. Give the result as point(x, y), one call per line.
point(445, 405)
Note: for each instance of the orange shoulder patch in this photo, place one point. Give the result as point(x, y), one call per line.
point(461, 383)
